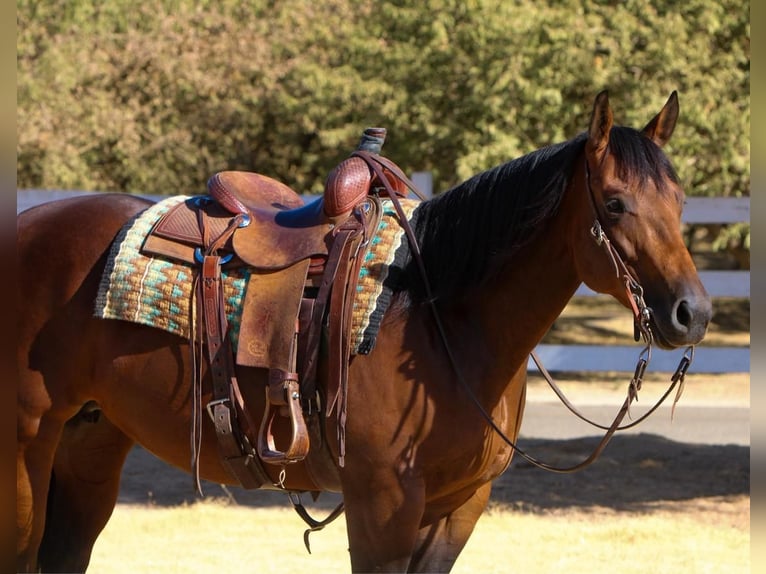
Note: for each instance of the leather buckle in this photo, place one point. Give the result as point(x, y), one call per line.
point(212, 404)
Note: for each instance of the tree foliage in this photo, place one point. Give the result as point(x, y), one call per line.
point(123, 96)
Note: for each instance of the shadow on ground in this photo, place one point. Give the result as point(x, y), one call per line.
point(634, 471)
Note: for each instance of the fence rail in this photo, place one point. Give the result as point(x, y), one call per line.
point(607, 357)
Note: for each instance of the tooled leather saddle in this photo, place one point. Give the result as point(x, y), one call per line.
point(304, 261)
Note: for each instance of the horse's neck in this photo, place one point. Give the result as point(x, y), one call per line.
point(518, 307)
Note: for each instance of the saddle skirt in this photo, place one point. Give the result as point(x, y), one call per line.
point(156, 291)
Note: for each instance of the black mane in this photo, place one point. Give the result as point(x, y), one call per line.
point(465, 232)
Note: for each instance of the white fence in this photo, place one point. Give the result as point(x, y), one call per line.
point(612, 357)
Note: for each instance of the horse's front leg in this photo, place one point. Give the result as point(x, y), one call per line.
point(440, 543)
point(383, 515)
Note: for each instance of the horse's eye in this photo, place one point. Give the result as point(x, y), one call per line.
point(615, 206)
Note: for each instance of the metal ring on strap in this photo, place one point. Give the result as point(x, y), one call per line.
point(199, 257)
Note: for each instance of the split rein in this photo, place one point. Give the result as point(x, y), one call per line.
point(642, 329)
point(641, 315)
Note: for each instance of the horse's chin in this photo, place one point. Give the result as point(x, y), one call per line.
point(668, 343)
point(662, 342)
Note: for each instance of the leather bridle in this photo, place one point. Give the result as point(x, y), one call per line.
point(641, 314)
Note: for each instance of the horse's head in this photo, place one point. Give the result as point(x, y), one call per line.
point(632, 194)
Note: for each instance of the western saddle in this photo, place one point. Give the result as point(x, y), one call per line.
point(304, 261)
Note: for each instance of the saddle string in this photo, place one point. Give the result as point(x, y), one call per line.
point(196, 343)
point(642, 315)
point(196, 365)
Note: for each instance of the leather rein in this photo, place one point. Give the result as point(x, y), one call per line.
point(641, 316)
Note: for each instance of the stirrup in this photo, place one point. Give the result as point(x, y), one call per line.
point(283, 397)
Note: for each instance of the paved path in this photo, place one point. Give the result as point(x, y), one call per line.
point(691, 423)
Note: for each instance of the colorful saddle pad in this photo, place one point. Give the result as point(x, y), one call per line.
point(157, 292)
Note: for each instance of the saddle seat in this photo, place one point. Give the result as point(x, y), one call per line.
point(277, 229)
point(243, 191)
point(246, 192)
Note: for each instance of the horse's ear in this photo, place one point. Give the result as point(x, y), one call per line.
point(600, 124)
point(662, 125)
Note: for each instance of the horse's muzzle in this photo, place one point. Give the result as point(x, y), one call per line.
point(685, 323)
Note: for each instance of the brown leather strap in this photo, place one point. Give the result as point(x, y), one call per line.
point(306, 313)
point(314, 330)
point(211, 322)
point(313, 524)
point(637, 379)
point(222, 408)
point(341, 304)
point(349, 241)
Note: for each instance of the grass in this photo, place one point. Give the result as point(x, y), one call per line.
point(217, 537)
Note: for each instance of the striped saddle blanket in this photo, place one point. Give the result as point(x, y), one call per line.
point(155, 291)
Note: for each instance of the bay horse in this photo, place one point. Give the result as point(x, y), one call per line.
point(504, 252)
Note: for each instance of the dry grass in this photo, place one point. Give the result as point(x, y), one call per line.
point(214, 537)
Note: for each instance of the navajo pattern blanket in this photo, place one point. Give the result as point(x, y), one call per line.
point(157, 292)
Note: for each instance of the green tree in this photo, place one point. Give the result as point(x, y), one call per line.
point(154, 99)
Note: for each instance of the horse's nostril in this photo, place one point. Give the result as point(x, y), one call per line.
point(684, 315)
